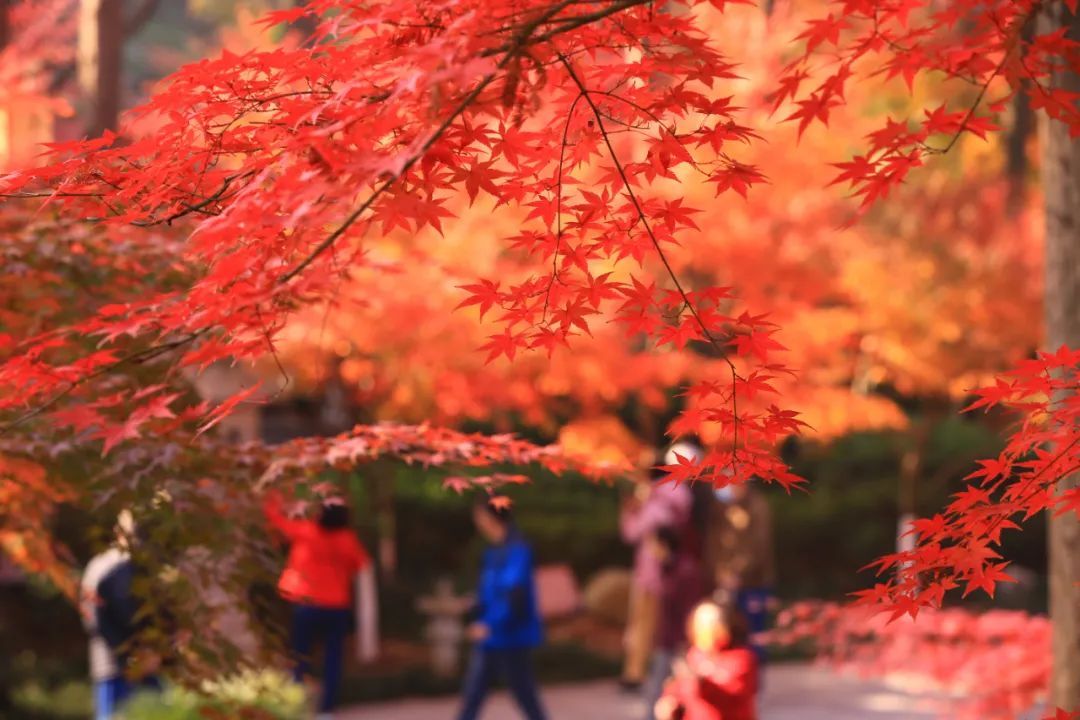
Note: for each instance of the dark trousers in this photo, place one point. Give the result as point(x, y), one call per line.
point(659, 672)
point(516, 667)
point(330, 626)
point(753, 604)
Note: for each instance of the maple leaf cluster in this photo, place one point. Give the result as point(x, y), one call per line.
point(989, 49)
point(27, 497)
point(987, 52)
point(947, 654)
point(39, 54)
point(958, 547)
point(276, 164)
point(427, 446)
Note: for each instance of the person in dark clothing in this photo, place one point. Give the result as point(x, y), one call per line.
point(682, 589)
point(739, 554)
point(111, 614)
point(506, 620)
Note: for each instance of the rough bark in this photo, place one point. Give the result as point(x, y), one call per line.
point(101, 50)
point(1016, 151)
point(1061, 181)
point(143, 14)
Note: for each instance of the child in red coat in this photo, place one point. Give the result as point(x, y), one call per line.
point(718, 680)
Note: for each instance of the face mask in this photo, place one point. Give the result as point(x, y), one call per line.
point(724, 494)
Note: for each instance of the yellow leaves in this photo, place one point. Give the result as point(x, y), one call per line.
point(831, 412)
point(603, 440)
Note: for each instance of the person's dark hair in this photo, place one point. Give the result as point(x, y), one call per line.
point(334, 516)
point(738, 626)
point(501, 513)
point(669, 537)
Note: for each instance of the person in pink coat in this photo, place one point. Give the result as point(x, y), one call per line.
point(653, 505)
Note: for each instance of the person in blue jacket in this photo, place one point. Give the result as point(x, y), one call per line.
point(506, 620)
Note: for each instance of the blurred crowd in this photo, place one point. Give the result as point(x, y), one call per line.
point(700, 594)
point(703, 585)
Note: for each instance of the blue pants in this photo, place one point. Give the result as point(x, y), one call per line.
point(659, 672)
point(330, 626)
point(110, 694)
point(516, 666)
point(753, 604)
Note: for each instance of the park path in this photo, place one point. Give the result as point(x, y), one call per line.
point(792, 692)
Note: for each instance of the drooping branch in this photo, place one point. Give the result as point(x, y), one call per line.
point(643, 218)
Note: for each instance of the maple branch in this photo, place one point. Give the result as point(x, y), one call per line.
point(273, 351)
point(558, 203)
point(522, 39)
point(656, 244)
point(32, 195)
point(1039, 486)
point(1014, 42)
point(389, 182)
point(136, 358)
point(199, 207)
point(580, 20)
point(656, 119)
point(642, 217)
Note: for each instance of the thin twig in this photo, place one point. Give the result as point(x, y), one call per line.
point(136, 358)
point(522, 39)
point(656, 244)
point(558, 204)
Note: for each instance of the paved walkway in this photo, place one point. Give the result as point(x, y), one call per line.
point(792, 692)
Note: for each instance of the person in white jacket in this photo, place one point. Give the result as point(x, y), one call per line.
point(110, 612)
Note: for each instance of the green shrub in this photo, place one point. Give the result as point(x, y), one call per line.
point(263, 695)
point(68, 699)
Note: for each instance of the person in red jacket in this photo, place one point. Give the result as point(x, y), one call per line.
point(325, 560)
point(718, 679)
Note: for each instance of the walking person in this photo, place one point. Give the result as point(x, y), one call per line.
point(682, 589)
point(506, 626)
point(651, 506)
point(328, 574)
point(113, 617)
point(739, 555)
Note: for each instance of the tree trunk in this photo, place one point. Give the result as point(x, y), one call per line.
point(911, 468)
point(1061, 182)
point(1016, 142)
point(5, 23)
point(101, 52)
point(1016, 151)
point(386, 521)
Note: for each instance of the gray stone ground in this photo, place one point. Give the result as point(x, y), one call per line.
point(792, 692)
